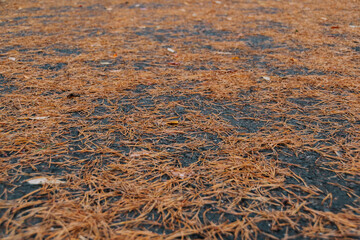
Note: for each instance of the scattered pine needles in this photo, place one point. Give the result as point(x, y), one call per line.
point(179, 119)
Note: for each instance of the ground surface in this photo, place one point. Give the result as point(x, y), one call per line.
point(179, 119)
